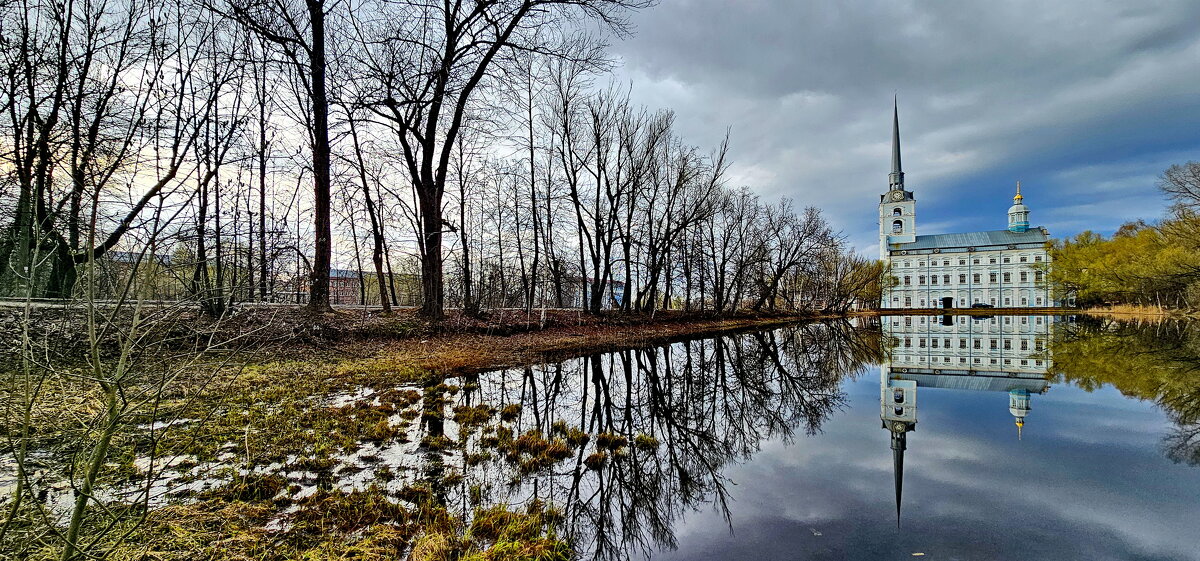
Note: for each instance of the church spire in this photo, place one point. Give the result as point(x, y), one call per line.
point(896, 178)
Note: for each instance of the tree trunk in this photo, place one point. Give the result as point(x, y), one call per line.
point(433, 302)
point(318, 296)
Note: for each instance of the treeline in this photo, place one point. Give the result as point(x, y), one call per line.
point(240, 150)
point(1142, 263)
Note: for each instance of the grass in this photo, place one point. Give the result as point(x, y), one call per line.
point(1134, 311)
point(279, 412)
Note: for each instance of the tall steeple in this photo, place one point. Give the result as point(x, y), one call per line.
point(896, 178)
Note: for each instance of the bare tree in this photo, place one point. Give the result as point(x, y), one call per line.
point(432, 59)
point(298, 30)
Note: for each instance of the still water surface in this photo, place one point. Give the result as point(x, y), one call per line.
point(1015, 438)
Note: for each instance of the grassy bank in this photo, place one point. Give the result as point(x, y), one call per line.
point(249, 459)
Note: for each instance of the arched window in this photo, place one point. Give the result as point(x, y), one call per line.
point(897, 212)
point(897, 226)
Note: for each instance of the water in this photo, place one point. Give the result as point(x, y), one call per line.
point(771, 444)
point(1013, 437)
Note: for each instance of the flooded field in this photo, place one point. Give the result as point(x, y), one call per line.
point(1029, 437)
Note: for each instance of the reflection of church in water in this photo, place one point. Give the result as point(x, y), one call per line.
point(993, 354)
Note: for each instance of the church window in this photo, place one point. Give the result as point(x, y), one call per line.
point(975, 277)
point(1024, 276)
point(946, 279)
point(907, 280)
point(1007, 277)
point(897, 226)
point(992, 278)
point(962, 279)
point(897, 212)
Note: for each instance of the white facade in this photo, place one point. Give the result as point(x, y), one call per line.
point(1002, 278)
point(1000, 268)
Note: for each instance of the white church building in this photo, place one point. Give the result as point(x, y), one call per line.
point(999, 268)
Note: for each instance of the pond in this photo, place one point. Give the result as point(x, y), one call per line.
point(952, 437)
point(1014, 437)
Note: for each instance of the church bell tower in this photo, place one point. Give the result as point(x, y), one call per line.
point(897, 207)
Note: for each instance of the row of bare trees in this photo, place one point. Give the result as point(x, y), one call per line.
point(249, 147)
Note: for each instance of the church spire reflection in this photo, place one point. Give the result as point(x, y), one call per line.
point(993, 354)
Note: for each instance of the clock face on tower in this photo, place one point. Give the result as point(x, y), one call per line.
point(897, 196)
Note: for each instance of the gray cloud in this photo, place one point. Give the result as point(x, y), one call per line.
point(990, 92)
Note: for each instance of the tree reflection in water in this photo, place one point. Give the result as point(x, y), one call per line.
point(1158, 362)
point(667, 418)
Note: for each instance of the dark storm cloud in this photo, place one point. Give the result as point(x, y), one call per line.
point(1054, 94)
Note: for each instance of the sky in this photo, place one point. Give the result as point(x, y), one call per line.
point(1085, 102)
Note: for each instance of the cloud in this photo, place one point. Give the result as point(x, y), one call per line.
point(1086, 103)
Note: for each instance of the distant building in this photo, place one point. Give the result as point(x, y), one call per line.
point(349, 287)
point(1001, 268)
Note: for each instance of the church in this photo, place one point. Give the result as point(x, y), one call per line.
point(997, 268)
